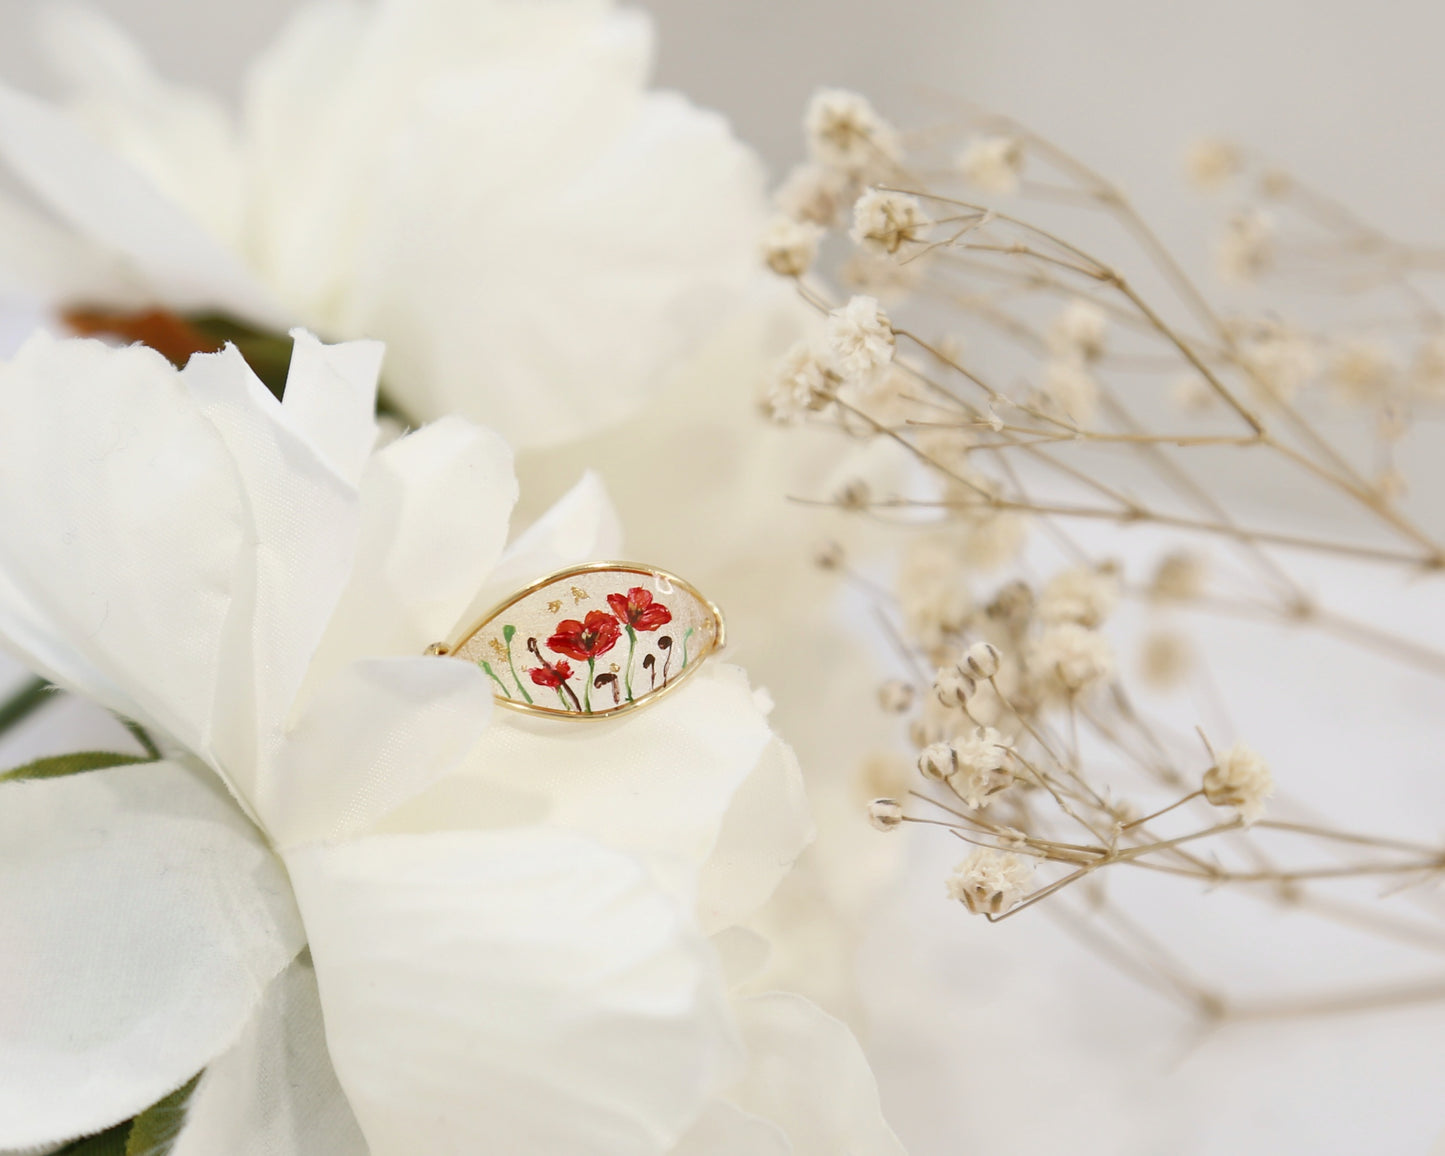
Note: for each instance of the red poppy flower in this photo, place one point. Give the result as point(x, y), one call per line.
point(585, 640)
point(554, 675)
point(637, 609)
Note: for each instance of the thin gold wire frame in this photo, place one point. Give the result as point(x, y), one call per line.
point(657, 574)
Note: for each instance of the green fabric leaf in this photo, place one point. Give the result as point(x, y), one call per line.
point(33, 695)
point(73, 764)
point(142, 736)
point(111, 1142)
point(156, 1129)
point(152, 1133)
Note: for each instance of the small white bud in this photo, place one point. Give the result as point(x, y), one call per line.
point(990, 882)
point(952, 687)
point(845, 132)
point(854, 495)
point(982, 659)
point(859, 339)
point(1211, 162)
point(829, 555)
point(895, 696)
point(885, 814)
point(979, 771)
point(937, 761)
point(1239, 779)
point(798, 384)
point(790, 247)
point(993, 163)
point(886, 220)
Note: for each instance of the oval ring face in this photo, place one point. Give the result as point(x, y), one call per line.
point(595, 640)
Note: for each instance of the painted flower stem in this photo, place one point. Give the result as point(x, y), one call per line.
point(587, 687)
point(487, 666)
point(631, 654)
point(509, 632)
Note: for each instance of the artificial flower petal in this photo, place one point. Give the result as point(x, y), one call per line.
point(510, 991)
point(434, 512)
point(516, 198)
point(131, 472)
point(581, 526)
point(724, 1129)
point(766, 827)
point(179, 138)
point(379, 732)
point(330, 400)
point(142, 918)
point(107, 200)
point(43, 260)
point(661, 783)
point(304, 521)
point(274, 1092)
point(807, 1074)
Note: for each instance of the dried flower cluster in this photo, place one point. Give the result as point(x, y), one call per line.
point(1025, 381)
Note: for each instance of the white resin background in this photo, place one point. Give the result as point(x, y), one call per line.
point(1010, 1040)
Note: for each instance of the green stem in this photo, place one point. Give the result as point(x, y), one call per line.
point(587, 690)
point(509, 633)
point(562, 698)
point(631, 653)
point(24, 702)
point(487, 666)
point(685, 637)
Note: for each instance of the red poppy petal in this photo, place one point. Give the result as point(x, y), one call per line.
point(654, 616)
point(568, 644)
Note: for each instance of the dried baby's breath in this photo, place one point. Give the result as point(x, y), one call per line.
point(1039, 390)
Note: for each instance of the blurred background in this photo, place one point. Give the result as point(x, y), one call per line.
point(1025, 1045)
point(1348, 95)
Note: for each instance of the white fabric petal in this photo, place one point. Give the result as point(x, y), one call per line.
point(303, 525)
point(659, 783)
point(379, 732)
point(40, 259)
point(274, 1093)
point(540, 239)
point(116, 571)
point(766, 827)
point(142, 917)
point(434, 512)
point(581, 526)
point(330, 400)
point(180, 138)
point(807, 1074)
point(107, 200)
point(519, 991)
point(726, 1130)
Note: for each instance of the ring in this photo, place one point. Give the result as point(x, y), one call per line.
point(600, 639)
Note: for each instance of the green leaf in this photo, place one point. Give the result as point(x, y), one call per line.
point(156, 1130)
point(152, 1133)
point(141, 735)
point(111, 1142)
point(57, 766)
point(33, 695)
